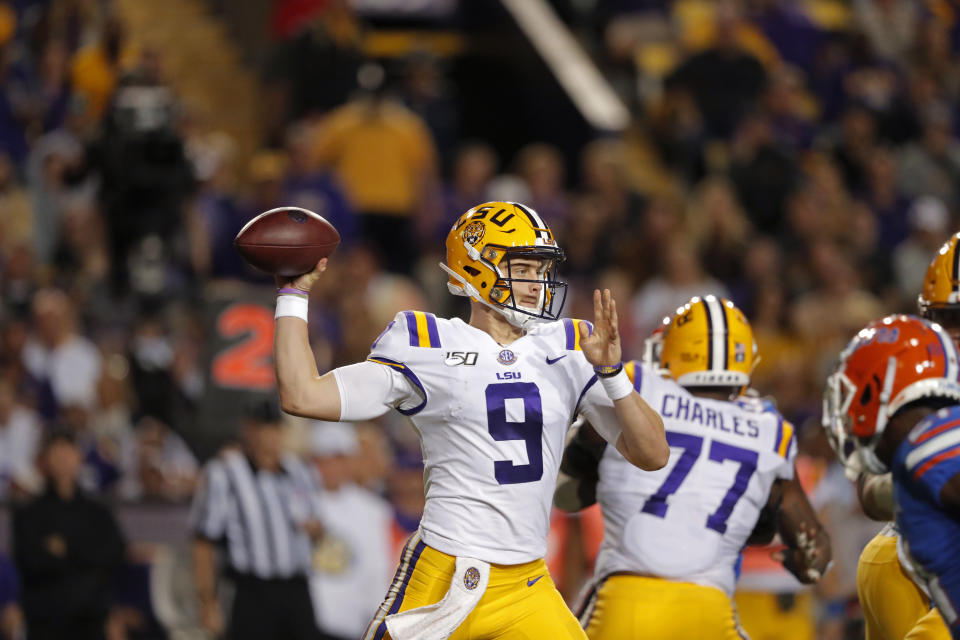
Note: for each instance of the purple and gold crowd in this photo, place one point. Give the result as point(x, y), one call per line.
point(799, 158)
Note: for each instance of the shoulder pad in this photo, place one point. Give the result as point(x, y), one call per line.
point(409, 329)
point(785, 436)
point(636, 371)
point(571, 330)
point(936, 423)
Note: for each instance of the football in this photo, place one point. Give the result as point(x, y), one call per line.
point(287, 241)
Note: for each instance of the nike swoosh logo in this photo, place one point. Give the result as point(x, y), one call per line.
point(530, 583)
point(552, 360)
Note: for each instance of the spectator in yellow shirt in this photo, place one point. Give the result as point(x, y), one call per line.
point(385, 159)
point(97, 67)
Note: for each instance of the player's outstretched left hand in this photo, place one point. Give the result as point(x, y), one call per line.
point(602, 347)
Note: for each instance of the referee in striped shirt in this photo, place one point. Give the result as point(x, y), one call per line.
point(260, 506)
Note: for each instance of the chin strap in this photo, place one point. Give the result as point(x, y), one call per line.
point(517, 319)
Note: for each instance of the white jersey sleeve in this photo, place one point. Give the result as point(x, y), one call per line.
point(385, 380)
point(368, 390)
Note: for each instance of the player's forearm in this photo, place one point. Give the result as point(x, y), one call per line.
point(577, 482)
point(802, 531)
point(302, 391)
point(642, 439)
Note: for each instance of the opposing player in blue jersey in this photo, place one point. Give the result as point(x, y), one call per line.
point(896, 393)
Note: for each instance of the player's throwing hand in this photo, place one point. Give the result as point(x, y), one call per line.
point(602, 347)
point(303, 282)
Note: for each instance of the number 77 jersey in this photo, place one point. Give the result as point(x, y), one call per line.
point(689, 521)
point(492, 421)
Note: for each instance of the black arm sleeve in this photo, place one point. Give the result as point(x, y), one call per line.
point(581, 460)
point(766, 526)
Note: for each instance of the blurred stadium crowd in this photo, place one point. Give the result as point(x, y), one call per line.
point(800, 158)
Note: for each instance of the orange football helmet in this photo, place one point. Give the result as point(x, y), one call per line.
point(887, 365)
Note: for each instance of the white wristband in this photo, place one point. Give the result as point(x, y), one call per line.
point(292, 306)
point(618, 386)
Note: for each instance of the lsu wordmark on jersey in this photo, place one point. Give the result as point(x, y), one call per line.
point(492, 421)
point(672, 538)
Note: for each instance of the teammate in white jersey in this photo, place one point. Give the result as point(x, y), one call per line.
point(491, 400)
point(672, 539)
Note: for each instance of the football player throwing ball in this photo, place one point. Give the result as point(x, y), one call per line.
point(492, 399)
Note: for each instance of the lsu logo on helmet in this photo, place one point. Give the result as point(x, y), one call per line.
point(480, 247)
point(708, 343)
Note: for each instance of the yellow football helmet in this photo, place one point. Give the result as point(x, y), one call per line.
point(481, 244)
point(940, 299)
point(709, 343)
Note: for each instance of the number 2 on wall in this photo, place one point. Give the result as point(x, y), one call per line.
point(719, 452)
point(246, 364)
point(530, 430)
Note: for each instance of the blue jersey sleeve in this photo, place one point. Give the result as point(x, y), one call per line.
point(931, 455)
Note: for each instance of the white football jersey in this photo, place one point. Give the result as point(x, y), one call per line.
point(492, 421)
point(688, 521)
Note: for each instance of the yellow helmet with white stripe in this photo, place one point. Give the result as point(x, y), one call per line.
point(709, 343)
point(940, 299)
point(480, 246)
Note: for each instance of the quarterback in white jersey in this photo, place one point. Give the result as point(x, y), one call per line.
point(674, 537)
point(492, 400)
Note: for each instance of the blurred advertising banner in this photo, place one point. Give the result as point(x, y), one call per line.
point(238, 362)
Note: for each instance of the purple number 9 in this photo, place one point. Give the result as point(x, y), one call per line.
point(530, 430)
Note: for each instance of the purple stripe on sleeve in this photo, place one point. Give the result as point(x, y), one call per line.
point(432, 330)
point(571, 336)
point(411, 376)
point(412, 328)
point(592, 381)
point(776, 446)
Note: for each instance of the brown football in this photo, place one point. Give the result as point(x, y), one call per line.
point(287, 241)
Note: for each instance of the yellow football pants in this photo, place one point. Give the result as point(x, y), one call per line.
point(893, 606)
point(763, 618)
point(520, 603)
point(640, 607)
